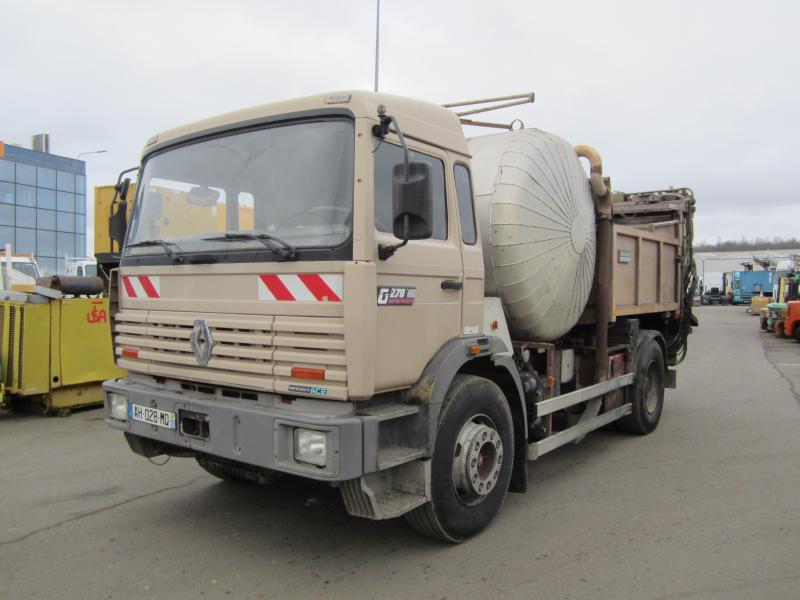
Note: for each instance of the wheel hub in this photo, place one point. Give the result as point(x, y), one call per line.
point(478, 459)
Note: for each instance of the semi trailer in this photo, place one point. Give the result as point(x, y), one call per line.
point(358, 294)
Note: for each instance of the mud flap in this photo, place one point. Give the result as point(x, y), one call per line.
point(671, 379)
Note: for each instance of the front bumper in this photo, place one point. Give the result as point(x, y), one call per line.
point(252, 433)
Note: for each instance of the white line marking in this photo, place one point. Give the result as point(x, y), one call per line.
point(297, 288)
point(335, 282)
point(263, 291)
point(137, 287)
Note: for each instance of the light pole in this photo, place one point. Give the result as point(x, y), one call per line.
point(91, 152)
point(377, 42)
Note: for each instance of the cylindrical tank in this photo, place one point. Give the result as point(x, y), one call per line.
point(537, 218)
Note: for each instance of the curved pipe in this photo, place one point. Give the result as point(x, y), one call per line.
point(603, 272)
point(599, 187)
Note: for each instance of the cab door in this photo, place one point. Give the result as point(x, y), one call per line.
point(471, 254)
point(419, 293)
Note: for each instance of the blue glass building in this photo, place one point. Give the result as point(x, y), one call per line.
point(43, 206)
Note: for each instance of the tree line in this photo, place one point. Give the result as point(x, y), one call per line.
point(776, 243)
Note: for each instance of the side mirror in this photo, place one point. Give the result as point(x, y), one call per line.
point(412, 201)
point(118, 219)
point(118, 225)
point(122, 189)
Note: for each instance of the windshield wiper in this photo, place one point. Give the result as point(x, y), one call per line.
point(283, 249)
point(167, 246)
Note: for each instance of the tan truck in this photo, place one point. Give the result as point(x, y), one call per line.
point(344, 288)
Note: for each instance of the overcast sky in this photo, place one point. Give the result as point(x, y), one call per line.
point(696, 93)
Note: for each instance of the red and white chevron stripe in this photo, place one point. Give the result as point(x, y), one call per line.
point(142, 286)
point(303, 287)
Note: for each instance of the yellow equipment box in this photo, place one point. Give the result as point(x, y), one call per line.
point(103, 196)
point(56, 351)
point(757, 303)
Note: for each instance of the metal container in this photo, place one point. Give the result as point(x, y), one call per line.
point(538, 229)
point(652, 254)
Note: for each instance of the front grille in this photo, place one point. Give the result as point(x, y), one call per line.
point(11, 356)
point(20, 346)
point(250, 352)
point(12, 326)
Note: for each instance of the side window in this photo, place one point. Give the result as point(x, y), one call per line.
point(466, 209)
point(386, 157)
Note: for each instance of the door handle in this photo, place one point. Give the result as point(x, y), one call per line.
point(452, 284)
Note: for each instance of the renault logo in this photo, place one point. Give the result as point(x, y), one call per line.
point(202, 342)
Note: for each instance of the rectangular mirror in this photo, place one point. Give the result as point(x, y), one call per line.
point(412, 198)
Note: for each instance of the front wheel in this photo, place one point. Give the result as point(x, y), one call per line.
point(472, 461)
point(646, 395)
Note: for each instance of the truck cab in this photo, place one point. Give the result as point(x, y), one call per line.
point(253, 304)
point(23, 273)
point(309, 176)
point(80, 266)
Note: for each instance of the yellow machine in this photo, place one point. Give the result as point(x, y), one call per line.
point(103, 197)
point(757, 303)
point(55, 352)
point(174, 211)
point(786, 288)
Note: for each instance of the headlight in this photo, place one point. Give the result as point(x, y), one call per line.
point(310, 446)
point(118, 406)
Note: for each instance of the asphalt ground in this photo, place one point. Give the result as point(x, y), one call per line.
point(708, 506)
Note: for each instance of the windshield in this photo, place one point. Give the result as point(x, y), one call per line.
point(293, 182)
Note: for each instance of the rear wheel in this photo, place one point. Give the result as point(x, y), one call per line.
point(763, 323)
point(797, 332)
point(472, 461)
point(229, 470)
point(646, 395)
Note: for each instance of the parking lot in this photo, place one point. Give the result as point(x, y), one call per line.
point(708, 506)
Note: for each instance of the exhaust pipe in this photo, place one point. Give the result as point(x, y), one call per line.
point(599, 188)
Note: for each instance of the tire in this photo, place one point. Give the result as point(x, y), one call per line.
point(646, 395)
point(797, 332)
point(474, 411)
point(763, 322)
point(235, 472)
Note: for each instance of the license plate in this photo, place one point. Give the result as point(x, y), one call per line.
point(152, 416)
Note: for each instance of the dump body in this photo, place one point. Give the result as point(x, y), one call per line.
point(652, 254)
